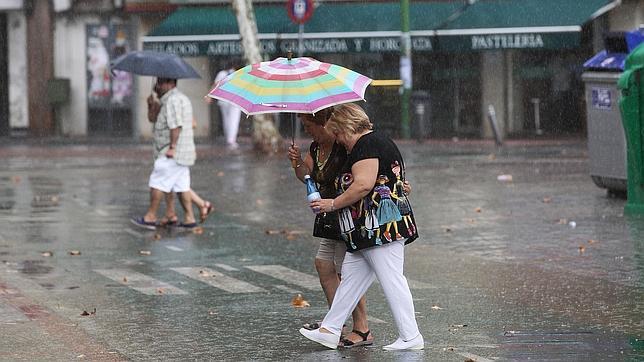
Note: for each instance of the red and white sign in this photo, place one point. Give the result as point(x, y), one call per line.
point(299, 10)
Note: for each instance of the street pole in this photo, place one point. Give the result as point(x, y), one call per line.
point(300, 40)
point(405, 69)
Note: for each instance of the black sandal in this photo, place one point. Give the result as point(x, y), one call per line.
point(347, 343)
point(311, 326)
point(315, 325)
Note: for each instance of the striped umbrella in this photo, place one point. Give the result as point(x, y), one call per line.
point(293, 85)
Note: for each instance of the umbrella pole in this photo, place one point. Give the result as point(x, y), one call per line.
point(293, 162)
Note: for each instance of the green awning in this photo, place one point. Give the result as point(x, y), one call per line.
point(375, 27)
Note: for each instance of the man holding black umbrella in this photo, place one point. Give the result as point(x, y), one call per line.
point(174, 153)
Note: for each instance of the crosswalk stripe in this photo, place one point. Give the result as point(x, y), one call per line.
point(414, 284)
point(226, 267)
point(375, 320)
point(286, 289)
point(173, 248)
point(218, 280)
point(133, 233)
point(287, 275)
point(140, 282)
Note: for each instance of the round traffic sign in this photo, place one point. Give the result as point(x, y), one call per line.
point(299, 10)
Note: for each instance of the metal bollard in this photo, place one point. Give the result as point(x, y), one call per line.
point(537, 116)
point(491, 115)
point(420, 121)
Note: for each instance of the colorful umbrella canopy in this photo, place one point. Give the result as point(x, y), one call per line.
point(297, 85)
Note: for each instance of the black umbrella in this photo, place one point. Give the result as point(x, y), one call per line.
point(156, 64)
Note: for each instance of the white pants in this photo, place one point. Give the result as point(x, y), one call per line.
point(230, 115)
point(359, 270)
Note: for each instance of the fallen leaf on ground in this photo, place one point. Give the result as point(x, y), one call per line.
point(478, 209)
point(160, 290)
point(435, 307)
point(74, 252)
point(272, 232)
point(447, 230)
point(203, 273)
point(259, 202)
point(85, 313)
point(299, 302)
point(157, 236)
point(285, 231)
point(124, 279)
point(47, 253)
point(197, 230)
point(145, 252)
point(504, 178)
point(582, 249)
point(563, 221)
point(547, 200)
point(220, 173)
point(491, 157)
point(591, 241)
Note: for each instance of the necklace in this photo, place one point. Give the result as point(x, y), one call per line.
point(320, 158)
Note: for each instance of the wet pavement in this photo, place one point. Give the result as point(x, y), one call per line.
point(543, 267)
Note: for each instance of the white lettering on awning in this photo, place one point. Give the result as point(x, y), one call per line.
point(384, 45)
point(507, 41)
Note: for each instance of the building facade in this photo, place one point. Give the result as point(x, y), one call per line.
point(523, 59)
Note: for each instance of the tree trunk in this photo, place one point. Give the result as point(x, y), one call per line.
point(265, 136)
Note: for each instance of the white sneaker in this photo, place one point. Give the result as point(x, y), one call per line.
point(413, 344)
point(329, 340)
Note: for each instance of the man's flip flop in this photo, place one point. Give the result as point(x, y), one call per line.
point(189, 226)
point(168, 221)
point(140, 221)
point(347, 343)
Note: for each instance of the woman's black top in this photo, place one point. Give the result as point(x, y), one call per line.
point(384, 215)
point(324, 173)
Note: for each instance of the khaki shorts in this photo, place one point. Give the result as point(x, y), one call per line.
point(169, 176)
point(333, 251)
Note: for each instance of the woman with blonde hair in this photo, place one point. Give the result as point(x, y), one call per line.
point(370, 157)
point(323, 163)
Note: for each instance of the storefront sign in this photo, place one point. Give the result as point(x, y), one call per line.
point(281, 46)
point(507, 41)
point(375, 44)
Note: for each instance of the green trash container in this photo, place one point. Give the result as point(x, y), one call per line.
point(631, 104)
